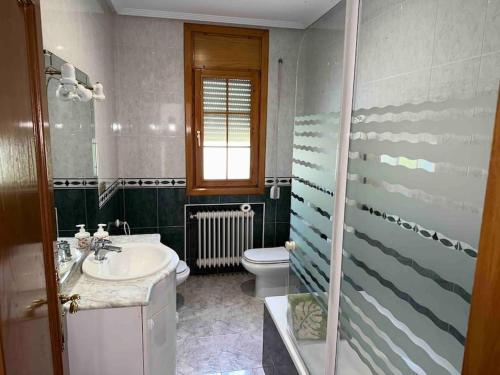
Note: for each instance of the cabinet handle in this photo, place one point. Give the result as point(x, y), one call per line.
point(73, 299)
point(63, 298)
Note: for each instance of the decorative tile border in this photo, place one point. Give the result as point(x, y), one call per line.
point(282, 181)
point(127, 183)
point(109, 192)
point(176, 182)
point(173, 182)
point(75, 183)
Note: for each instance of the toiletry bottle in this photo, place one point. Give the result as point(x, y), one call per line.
point(82, 238)
point(101, 234)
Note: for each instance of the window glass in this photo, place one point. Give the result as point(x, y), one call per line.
point(227, 106)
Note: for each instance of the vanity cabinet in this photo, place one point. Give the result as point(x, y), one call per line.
point(125, 340)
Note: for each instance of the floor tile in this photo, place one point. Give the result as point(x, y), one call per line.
point(238, 372)
point(262, 371)
point(220, 326)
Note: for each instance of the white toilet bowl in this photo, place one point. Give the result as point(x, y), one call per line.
point(270, 267)
point(181, 273)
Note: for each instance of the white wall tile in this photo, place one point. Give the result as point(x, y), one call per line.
point(489, 75)
point(150, 155)
point(492, 32)
point(457, 80)
point(373, 8)
point(282, 44)
point(150, 75)
point(405, 88)
point(140, 62)
point(149, 72)
point(460, 28)
point(403, 34)
point(81, 32)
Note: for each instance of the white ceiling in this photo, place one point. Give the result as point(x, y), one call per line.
point(296, 14)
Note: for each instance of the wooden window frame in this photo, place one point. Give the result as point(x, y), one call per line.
point(193, 74)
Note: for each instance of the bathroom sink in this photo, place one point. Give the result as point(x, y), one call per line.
point(136, 260)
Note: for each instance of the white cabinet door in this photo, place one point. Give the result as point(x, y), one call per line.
point(105, 342)
point(160, 330)
point(159, 344)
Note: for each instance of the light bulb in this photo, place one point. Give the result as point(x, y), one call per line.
point(66, 92)
point(68, 74)
point(98, 93)
point(83, 93)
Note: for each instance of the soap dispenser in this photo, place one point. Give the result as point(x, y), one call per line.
point(82, 238)
point(101, 234)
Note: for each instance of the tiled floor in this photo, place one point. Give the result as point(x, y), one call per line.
point(220, 326)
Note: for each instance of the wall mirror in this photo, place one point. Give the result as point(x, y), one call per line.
point(72, 130)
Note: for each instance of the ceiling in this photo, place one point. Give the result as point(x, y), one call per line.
point(295, 14)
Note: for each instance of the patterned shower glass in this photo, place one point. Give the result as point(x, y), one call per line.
point(427, 75)
point(315, 146)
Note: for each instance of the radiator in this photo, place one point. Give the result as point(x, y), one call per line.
point(223, 236)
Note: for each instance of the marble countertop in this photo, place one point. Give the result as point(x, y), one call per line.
point(98, 294)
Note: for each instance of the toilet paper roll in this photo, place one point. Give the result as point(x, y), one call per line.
point(245, 207)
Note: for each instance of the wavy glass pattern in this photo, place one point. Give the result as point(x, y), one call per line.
point(315, 144)
point(420, 142)
point(227, 107)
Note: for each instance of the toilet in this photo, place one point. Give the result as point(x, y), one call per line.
point(181, 273)
point(270, 267)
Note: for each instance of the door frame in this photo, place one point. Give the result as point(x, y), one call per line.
point(45, 190)
point(482, 346)
point(348, 76)
point(34, 51)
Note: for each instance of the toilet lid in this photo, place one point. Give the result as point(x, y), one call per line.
point(181, 267)
point(267, 255)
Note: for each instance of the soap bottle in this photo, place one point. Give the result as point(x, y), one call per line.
point(101, 234)
point(82, 238)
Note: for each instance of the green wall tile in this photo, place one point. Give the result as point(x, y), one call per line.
point(283, 205)
point(141, 207)
point(171, 206)
point(173, 237)
point(70, 204)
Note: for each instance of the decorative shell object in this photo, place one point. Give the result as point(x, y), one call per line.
point(307, 316)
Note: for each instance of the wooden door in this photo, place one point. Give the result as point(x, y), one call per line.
point(482, 349)
point(29, 315)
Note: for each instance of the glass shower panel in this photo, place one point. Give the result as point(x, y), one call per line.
point(316, 129)
point(427, 75)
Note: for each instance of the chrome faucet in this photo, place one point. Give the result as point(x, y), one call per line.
point(63, 251)
point(97, 245)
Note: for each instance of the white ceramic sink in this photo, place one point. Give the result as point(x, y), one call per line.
point(136, 260)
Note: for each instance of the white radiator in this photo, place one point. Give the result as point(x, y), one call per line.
point(223, 236)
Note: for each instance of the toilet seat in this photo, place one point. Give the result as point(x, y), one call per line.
point(270, 267)
point(182, 267)
point(269, 255)
point(181, 272)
